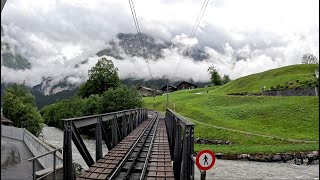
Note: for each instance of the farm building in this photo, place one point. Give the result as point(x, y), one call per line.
point(145, 91)
point(186, 85)
point(170, 88)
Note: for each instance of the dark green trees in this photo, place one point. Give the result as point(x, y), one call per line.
point(101, 77)
point(19, 107)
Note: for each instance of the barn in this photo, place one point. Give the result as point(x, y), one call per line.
point(186, 85)
point(145, 91)
point(171, 88)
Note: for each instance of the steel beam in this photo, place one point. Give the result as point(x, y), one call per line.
point(76, 138)
point(68, 170)
point(177, 153)
point(99, 152)
point(105, 137)
point(114, 131)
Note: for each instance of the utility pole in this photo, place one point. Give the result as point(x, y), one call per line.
point(167, 104)
point(154, 99)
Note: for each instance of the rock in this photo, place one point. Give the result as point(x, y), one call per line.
point(219, 155)
point(276, 157)
point(198, 140)
point(287, 157)
point(305, 161)
point(230, 156)
point(242, 156)
point(315, 153)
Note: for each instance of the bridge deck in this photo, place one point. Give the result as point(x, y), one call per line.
point(120, 163)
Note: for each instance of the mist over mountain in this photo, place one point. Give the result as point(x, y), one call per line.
point(146, 46)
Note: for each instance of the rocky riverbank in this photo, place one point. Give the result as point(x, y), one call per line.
point(297, 158)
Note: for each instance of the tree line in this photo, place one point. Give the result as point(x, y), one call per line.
point(101, 93)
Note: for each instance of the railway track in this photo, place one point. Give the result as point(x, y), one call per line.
point(143, 154)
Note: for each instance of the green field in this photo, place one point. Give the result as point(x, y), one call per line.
point(281, 118)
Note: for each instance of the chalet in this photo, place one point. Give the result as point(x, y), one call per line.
point(170, 88)
point(186, 85)
point(145, 91)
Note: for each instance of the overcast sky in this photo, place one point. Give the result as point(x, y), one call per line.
point(241, 37)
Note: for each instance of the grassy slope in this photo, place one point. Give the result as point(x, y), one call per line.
point(286, 117)
point(274, 77)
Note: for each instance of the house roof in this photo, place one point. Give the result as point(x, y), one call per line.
point(4, 119)
point(186, 82)
point(170, 86)
point(148, 89)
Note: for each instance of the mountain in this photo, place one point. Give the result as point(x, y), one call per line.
point(124, 44)
point(10, 57)
point(131, 45)
point(51, 86)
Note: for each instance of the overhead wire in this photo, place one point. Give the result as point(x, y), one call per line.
point(136, 23)
point(135, 19)
point(194, 29)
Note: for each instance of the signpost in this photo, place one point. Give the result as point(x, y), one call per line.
point(205, 161)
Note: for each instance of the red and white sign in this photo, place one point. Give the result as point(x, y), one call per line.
point(205, 160)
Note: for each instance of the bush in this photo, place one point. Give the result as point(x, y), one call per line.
point(19, 107)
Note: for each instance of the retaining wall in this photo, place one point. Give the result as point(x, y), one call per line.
point(36, 146)
point(312, 91)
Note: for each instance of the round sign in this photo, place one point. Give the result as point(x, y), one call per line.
point(205, 160)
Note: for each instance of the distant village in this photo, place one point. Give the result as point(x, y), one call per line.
point(145, 91)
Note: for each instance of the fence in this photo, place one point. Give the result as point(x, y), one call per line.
point(181, 140)
point(35, 145)
point(122, 123)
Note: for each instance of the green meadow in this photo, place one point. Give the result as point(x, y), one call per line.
point(245, 121)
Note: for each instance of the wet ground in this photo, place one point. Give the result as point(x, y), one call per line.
point(14, 160)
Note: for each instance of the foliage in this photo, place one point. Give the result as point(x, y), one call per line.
point(101, 77)
point(119, 99)
point(309, 59)
point(226, 79)
point(19, 107)
point(68, 108)
point(214, 76)
point(111, 100)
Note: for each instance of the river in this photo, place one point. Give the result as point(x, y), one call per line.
point(223, 169)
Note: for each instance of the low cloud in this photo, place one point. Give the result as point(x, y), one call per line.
point(241, 38)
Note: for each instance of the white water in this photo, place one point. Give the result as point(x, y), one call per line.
point(54, 136)
point(223, 169)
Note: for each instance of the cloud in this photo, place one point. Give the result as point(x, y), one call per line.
point(241, 37)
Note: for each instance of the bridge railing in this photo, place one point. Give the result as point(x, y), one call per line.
point(121, 122)
point(181, 140)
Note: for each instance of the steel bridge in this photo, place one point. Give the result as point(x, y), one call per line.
point(141, 144)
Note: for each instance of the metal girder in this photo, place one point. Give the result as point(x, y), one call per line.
point(99, 152)
point(105, 137)
point(177, 153)
point(68, 170)
point(89, 120)
point(181, 148)
point(76, 138)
